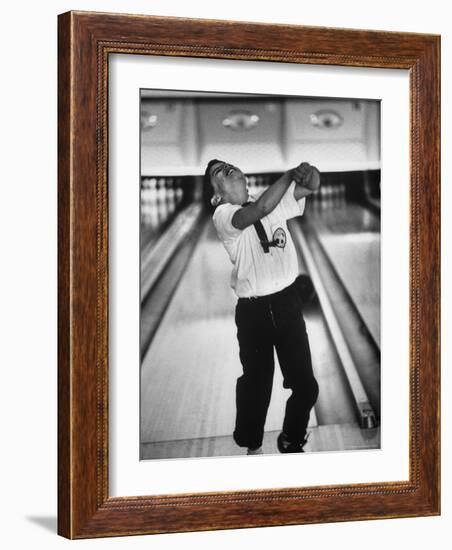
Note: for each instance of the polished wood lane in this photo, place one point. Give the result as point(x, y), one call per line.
point(190, 370)
point(350, 236)
point(335, 437)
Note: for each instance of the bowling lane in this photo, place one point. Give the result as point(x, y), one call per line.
point(190, 369)
point(187, 387)
point(188, 373)
point(334, 403)
point(350, 236)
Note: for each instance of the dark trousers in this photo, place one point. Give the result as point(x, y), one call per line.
point(265, 323)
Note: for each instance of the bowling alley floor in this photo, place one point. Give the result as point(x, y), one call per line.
point(350, 236)
point(328, 438)
point(189, 372)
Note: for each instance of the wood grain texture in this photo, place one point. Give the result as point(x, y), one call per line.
point(85, 42)
point(64, 296)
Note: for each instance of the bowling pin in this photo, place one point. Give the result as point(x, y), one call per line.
point(152, 192)
point(179, 192)
point(161, 190)
point(170, 195)
point(335, 195)
point(315, 199)
point(322, 197)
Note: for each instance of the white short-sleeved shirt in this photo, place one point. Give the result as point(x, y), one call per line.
point(256, 273)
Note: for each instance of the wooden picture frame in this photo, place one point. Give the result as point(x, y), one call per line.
point(85, 42)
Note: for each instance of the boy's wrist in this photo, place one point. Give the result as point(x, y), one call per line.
point(287, 177)
point(313, 182)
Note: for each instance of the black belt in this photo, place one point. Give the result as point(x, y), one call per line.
point(302, 285)
point(266, 297)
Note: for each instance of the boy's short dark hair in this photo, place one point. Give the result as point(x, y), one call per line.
point(209, 191)
point(207, 172)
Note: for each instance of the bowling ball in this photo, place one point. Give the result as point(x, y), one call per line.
point(305, 288)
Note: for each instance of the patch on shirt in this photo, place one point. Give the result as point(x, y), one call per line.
point(279, 237)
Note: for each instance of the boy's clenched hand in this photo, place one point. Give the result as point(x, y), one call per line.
point(307, 176)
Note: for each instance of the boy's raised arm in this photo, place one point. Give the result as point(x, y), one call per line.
point(264, 204)
point(270, 198)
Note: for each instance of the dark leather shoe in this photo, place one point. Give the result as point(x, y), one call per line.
point(286, 446)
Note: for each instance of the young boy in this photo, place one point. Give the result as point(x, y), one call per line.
point(268, 314)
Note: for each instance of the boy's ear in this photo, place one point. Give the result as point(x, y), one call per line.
point(215, 200)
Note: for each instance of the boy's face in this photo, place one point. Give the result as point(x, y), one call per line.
point(231, 182)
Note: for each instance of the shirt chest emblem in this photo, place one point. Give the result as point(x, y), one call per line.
point(279, 237)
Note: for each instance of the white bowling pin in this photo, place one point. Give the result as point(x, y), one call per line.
point(179, 193)
point(152, 191)
point(161, 190)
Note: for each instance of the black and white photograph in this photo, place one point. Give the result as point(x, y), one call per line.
point(260, 274)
